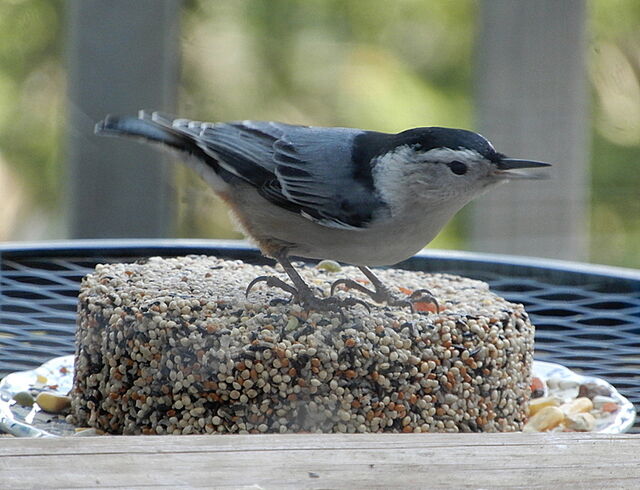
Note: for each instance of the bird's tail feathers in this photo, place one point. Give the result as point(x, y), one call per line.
point(154, 127)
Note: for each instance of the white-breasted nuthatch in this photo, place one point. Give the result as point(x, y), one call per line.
point(361, 197)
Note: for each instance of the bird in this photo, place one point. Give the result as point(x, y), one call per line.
point(360, 197)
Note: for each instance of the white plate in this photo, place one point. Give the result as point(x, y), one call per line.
point(57, 375)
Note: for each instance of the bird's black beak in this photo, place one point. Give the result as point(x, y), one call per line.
point(507, 168)
point(515, 164)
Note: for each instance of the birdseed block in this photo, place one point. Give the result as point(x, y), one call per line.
point(173, 346)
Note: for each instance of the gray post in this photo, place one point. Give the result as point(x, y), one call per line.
point(122, 56)
point(532, 103)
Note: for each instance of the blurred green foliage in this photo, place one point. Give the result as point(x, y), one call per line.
point(614, 70)
point(32, 95)
point(365, 63)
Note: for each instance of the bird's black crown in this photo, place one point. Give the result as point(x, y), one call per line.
point(425, 139)
point(370, 144)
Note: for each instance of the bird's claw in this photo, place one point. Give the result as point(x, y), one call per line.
point(332, 304)
point(423, 296)
point(350, 284)
point(272, 282)
point(306, 297)
point(355, 302)
point(383, 295)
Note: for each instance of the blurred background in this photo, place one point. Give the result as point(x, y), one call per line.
point(551, 80)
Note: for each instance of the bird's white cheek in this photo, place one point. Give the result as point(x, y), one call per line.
point(392, 185)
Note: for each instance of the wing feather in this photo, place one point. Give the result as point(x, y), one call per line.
point(307, 170)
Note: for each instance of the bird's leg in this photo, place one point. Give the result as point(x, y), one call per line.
point(301, 293)
point(382, 294)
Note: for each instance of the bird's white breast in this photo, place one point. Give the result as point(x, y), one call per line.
point(384, 243)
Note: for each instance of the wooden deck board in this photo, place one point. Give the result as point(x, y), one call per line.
point(324, 461)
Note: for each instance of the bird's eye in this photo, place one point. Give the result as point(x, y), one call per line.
point(457, 167)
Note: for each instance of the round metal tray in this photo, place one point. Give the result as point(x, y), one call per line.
point(587, 317)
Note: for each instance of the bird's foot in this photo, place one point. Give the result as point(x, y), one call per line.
point(423, 297)
point(272, 282)
point(306, 298)
point(382, 294)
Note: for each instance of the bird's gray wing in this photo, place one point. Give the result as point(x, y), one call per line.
point(308, 170)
